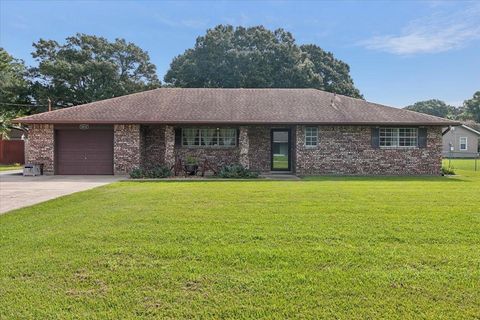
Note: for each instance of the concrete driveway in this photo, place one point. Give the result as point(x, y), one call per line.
point(17, 191)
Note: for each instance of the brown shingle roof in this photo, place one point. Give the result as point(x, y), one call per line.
point(240, 106)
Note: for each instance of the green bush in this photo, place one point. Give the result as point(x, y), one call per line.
point(137, 173)
point(191, 160)
point(159, 172)
point(155, 172)
point(237, 171)
point(449, 170)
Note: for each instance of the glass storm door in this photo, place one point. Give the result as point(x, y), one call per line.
point(280, 150)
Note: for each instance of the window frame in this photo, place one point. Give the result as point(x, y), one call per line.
point(198, 138)
point(396, 138)
point(460, 144)
point(311, 137)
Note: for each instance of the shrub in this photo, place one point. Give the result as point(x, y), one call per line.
point(137, 173)
point(159, 172)
point(191, 160)
point(237, 171)
point(155, 172)
point(449, 170)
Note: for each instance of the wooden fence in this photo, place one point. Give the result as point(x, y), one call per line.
point(12, 151)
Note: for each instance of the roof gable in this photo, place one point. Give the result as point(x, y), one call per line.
point(239, 106)
point(470, 129)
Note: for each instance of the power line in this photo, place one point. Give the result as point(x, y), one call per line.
point(23, 105)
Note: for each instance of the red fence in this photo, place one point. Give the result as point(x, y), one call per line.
point(12, 151)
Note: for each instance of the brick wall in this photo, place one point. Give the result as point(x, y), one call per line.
point(217, 157)
point(39, 147)
point(253, 150)
point(259, 148)
point(153, 151)
point(169, 146)
point(348, 150)
point(244, 146)
point(341, 150)
point(159, 148)
point(127, 148)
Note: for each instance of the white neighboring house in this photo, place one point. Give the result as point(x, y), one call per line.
point(461, 142)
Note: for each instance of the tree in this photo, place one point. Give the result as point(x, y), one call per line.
point(6, 117)
point(228, 57)
point(14, 92)
point(335, 74)
point(434, 107)
point(89, 68)
point(472, 108)
point(14, 86)
point(472, 124)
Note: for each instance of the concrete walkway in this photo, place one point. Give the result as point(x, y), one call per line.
point(17, 191)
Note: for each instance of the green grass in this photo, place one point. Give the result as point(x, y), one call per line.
point(462, 164)
point(7, 167)
point(335, 248)
point(280, 162)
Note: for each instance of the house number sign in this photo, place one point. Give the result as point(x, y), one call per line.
point(83, 127)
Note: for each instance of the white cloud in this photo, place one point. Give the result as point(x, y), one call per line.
point(437, 33)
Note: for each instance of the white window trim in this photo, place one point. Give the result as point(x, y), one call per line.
point(200, 138)
point(305, 141)
point(396, 147)
point(460, 144)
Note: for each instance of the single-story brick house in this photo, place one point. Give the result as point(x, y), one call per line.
point(302, 131)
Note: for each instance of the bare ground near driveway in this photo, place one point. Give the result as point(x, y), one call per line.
point(17, 191)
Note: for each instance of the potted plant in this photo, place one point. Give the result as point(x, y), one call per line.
point(191, 165)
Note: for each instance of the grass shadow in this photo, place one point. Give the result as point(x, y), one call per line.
point(446, 179)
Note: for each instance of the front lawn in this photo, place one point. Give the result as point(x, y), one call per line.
point(462, 164)
point(280, 162)
point(8, 167)
point(345, 248)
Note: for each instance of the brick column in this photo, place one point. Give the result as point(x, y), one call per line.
point(169, 146)
point(39, 147)
point(126, 148)
point(434, 150)
point(244, 147)
point(300, 155)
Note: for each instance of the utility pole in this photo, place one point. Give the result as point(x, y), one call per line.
point(49, 104)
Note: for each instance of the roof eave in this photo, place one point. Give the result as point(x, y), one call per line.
point(471, 129)
point(253, 122)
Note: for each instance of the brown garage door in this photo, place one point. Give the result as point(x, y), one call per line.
point(84, 151)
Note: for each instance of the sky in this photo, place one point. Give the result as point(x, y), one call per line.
point(399, 52)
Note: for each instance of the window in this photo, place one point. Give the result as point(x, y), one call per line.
point(463, 143)
point(209, 137)
point(311, 136)
point(398, 137)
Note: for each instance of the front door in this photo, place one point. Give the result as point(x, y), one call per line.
point(281, 159)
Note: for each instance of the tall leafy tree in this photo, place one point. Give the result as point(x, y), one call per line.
point(14, 92)
point(14, 86)
point(472, 108)
point(6, 117)
point(335, 74)
point(434, 107)
point(88, 68)
point(228, 57)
